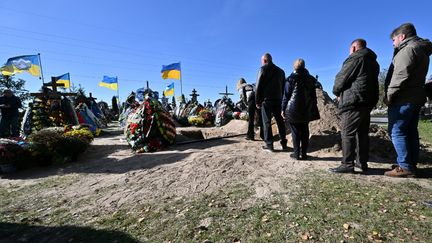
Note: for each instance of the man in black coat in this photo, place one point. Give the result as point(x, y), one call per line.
point(269, 89)
point(356, 88)
point(9, 105)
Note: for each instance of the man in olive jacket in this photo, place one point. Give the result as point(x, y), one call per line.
point(405, 95)
point(268, 97)
point(356, 88)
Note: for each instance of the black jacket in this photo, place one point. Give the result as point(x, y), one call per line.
point(269, 85)
point(357, 82)
point(13, 103)
point(299, 101)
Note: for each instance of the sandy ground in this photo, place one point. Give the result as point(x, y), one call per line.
point(112, 175)
point(110, 169)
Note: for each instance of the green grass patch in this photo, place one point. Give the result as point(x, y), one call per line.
point(425, 130)
point(332, 208)
point(322, 208)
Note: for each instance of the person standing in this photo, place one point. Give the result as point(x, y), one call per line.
point(405, 95)
point(269, 89)
point(299, 107)
point(356, 88)
point(247, 97)
point(9, 105)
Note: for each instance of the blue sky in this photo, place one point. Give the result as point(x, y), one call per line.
point(217, 42)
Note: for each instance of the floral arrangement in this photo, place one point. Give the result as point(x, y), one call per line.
point(80, 132)
point(224, 111)
point(149, 128)
point(10, 151)
point(204, 118)
point(196, 120)
point(39, 115)
point(44, 113)
point(58, 144)
point(68, 148)
point(243, 115)
point(47, 136)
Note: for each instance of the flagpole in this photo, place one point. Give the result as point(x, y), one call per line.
point(118, 86)
point(40, 62)
point(181, 86)
point(70, 83)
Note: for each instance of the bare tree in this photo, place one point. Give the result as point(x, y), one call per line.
point(78, 89)
point(381, 80)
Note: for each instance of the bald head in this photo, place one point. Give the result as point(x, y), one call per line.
point(357, 45)
point(266, 58)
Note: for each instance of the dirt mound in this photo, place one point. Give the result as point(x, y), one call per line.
point(324, 133)
point(330, 120)
point(380, 145)
point(234, 127)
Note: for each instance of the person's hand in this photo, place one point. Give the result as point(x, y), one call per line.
point(258, 106)
point(338, 98)
point(283, 115)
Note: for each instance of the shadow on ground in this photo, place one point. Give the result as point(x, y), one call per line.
point(117, 159)
point(10, 232)
point(329, 141)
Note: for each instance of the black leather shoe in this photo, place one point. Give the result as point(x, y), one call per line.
point(285, 147)
point(342, 169)
point(363, 167)
point(304, 157)
point(250, 138)
point(295, 156)
point(268, 149)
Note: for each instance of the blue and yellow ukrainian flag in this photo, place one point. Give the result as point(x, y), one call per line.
point(64, 79)
point(28, 63)
point(109, 82)
point(171, 71)
point(169, 90)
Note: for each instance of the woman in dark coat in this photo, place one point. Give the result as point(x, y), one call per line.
point(299, 107)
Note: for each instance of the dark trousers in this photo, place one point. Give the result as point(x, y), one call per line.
point(268, 110)
point(355, 135)
point(254, 112)
point(9, 127)
point(300, 137)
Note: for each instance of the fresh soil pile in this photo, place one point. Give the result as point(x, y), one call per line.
point(324, 133)
point(330, 120)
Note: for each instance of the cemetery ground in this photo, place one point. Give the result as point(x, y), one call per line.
point(224, 190)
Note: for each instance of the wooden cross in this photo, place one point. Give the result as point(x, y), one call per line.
point(226, 92)
point(53, 94)
point(194, 95)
